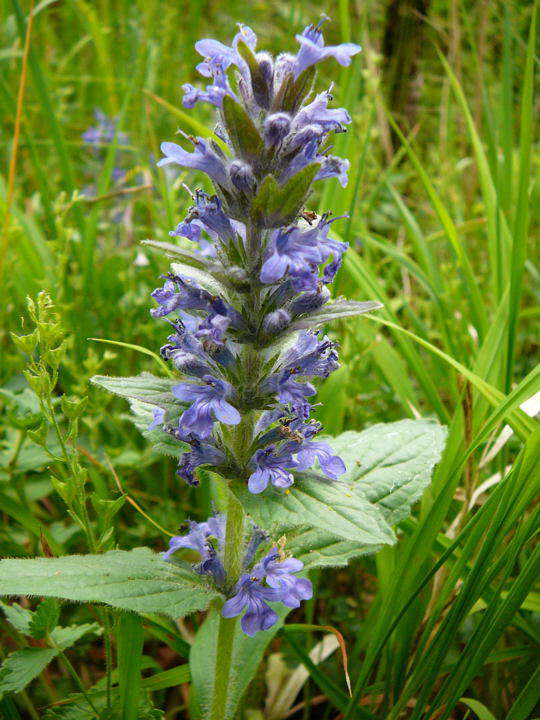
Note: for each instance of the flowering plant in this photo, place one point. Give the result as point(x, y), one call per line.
point(245, 300)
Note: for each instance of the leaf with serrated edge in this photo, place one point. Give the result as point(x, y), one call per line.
point(317, 503)
point(247, 654)
point(44, 619)
point(391, 465)
point(22, 666)
point(137, 580)
point(17, 616)
point(65, 637)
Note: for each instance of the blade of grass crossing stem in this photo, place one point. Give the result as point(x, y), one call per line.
point(129, 638)
point(521, 223)
point(520, 422)
point(364, 279)
point(138, 348)
point(476, 303)
point(50, 116)
point(527, 699)
point(499, 237)
point(427, 666)
point(388, 619)
point(490, 629)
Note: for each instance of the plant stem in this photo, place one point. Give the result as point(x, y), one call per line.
point(233, 565)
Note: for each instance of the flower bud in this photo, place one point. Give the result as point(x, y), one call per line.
point(276, 321)
point(276, 127)
point(188, 363)
point(284, 66)
point(303, 137)
point(308, 302)
point(242, 176)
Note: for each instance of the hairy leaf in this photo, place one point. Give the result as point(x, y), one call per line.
point(246, 657)
point(318, 503)
point(241, 130)
point(45, 618)
point(65, 637)
point(333, 311)
point(137, 580)
point(145, 387)
point(22, 666)
point(388, 464)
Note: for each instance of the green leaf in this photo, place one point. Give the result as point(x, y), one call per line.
point(177, 252)
point(478, 708)
point(44, 619)
point(318, 503)
point(22, 666)
point(333, 311)
point(137, 580)
point(65, 637)
point(259, 84)
point(276, 205)
point(17, 616)
point(161, 442)
point(292, 92)
point(168, 678)
point(241, 130)
point(390, 465)
point(263, 200)
point(129, 638)
point(247, 655)
point(204, 279)
point(145, 387)
point(293, 194)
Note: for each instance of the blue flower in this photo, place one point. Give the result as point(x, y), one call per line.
point(203, 158)
point(158, 416)
point(208, 211)
point(288, 390)
point(198, 539)
point(318, 113)
point(201, 453)
point(278, 573)
point(310, 356)
point(208, 404)
point(218, 55)
point(179, 293)
point(289, 251)
point(272, 465)
point(312, 49)
point(333, 166)
point(331, 465)
point(252, 596)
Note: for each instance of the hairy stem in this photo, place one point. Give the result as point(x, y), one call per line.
point(233, 565)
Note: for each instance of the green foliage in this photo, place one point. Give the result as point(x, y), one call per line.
point(136, 580)
point(441, 201)
point(247, 654)
point(22, 666)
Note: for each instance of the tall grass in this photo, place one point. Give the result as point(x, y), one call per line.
point(441, 232)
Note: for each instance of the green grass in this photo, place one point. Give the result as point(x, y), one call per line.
point(442, 231)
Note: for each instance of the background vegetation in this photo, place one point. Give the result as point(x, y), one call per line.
point(443, 169)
